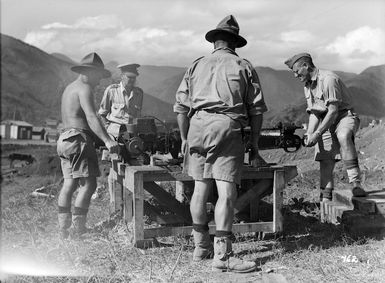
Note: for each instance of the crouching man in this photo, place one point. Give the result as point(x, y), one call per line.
point(75, 145)
point(332, 123)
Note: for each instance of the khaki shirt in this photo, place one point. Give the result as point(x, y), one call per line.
point(326, 87)
point(224, 83)
point(119, 106)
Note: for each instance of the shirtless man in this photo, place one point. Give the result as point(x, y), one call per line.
point(75, 145)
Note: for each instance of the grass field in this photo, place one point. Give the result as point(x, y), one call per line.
point(307, 251)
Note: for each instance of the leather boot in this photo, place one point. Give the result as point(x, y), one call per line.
point(64, 220)
point(203, 246)
point(79, 224)
point(224, 259)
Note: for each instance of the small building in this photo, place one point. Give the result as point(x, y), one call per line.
point(5, 130)
point(14, 129)
point(38, 133)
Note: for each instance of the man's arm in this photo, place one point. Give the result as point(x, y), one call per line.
point(329, 120)
point(86, 102)
point(105, 107)
point(256, 124)
point(183, 123)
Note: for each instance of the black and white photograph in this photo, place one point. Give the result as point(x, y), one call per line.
point(192, 141)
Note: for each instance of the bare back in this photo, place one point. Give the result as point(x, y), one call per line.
point(73, 115)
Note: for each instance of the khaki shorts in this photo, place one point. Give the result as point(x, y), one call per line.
point(77, 154)
point(329, 148)
point(216, 149)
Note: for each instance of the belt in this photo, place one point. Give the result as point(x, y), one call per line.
point(84, 131)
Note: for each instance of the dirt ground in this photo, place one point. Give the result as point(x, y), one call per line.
point(307, 251)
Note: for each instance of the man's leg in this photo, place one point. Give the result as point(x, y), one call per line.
point(326, 179)
point(86, 189)
point(64, 205)
point(349, 156)
point(224, 212)
point(203, 246)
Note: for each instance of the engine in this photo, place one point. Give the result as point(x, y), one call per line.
point(143, 138)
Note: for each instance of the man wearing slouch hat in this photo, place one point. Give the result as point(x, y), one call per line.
point(218, 96)
point(75, 145)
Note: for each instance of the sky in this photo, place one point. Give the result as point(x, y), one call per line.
point(344, 35)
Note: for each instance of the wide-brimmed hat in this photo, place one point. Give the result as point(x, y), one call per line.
point(228, 25)
point(91, 62)
point(129, 68)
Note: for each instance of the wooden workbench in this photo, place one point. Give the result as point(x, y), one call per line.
point(130, 183)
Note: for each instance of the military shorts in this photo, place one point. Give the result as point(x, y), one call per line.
point(216, 149)
point(328, 148)
point(77, 153)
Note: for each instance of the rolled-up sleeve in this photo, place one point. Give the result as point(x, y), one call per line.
point(255, 101)
point(105, 104)
point(182, 103)
point(332, 90)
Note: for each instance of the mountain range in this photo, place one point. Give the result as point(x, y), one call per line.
point(32, 82)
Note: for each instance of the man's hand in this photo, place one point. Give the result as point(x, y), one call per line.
point(183, 147)
point(113, 146)
point(256, 160)
point(312, 139)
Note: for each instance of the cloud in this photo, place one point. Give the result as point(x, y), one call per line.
point(40, 38)
point(106, 35)
point(297, 37)
point(360, 47)
point(359, 43)
point(102, 22)
point(55, 25)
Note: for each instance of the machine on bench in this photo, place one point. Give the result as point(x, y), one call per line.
point(142, 139)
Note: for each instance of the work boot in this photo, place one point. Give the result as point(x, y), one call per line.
point(224, 259)
point(65, 220)
point(79, 225)
point(203, 246)
point(357, 190)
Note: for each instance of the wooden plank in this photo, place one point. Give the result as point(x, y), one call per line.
point(128, 207)
point(155, 173)
point(111, 190)
point(135, 184)
point(252, 193)
point(278, 187)
point(186, 230)
point(118, 191)
point(168, 200)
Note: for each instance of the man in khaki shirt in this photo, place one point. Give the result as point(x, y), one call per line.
point(218, 96)
point(122, 103)
point(332, 123)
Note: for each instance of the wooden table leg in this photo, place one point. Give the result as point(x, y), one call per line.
point(128, 205)
point(135, 185)
point(278, 187)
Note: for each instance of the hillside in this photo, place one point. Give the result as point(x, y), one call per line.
point(33, 81)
